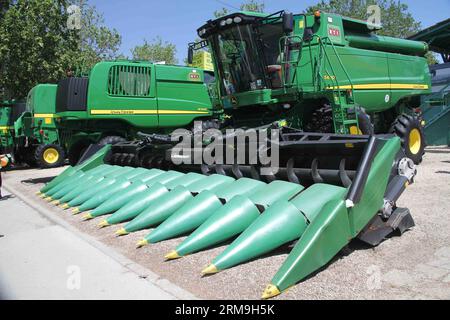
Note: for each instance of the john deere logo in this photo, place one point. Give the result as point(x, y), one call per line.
point(234, 100)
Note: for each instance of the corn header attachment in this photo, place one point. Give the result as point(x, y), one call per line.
point(328, 190)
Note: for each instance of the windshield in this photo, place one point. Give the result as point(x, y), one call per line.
point(239, 62)
point(242, 65)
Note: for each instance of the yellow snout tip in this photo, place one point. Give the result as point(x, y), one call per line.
point(270, 292)
point(141, 243)
point(88, 216)
point(172, 255)
point(211, 269)
point(48, 199)
point(64, 206)
point(103, 224)
point(121, 232)
point(56, 202)
point(75, 211)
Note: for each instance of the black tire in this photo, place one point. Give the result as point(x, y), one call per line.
point(410, 131)
point(322, 121)
point(49, 156)
point(111, 140)
point(30, 161)
point(364, 122)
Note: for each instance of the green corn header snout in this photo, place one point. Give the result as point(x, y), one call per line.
point(322, 217)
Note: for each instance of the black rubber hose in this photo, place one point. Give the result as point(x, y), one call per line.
point(357, 187)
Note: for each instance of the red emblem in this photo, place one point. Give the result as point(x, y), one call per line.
point(334, 32)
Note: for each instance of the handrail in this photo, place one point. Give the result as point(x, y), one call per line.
point(289, 61)
point(340, 62)
point(323, 43)
point(316, 68)
point(444, 111)
point(439, 94)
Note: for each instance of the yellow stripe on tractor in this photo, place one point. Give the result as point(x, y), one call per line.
point(145, 112)
point(44, 115)
point(382, 86)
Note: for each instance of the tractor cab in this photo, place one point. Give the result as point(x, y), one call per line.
point(246, 50)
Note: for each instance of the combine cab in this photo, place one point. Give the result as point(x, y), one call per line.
point(326, 145)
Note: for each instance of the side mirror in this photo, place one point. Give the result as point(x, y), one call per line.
point(288, 22)
point(190, 57)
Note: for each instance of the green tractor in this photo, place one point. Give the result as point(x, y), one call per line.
point(28, 131)
point(29, 134)
point(9, 112)
point(333, 104)
point(36, 136)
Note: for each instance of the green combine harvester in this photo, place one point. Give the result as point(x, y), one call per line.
point(121, 98)
point(117, 100)
point(336, 101)
point(28, 131)
point(7, 119)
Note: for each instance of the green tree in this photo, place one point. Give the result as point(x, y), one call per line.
point(4, 6)
point(431, 57)
point(38, 46)
point(253, 5)
point(155, 51)
point(250, 5)
point(35, 45)
point(395, 17)
point(96, 41)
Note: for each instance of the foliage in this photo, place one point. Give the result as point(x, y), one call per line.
point(96, 41)
point(397, 21)
point(37, 46)
point(155, 51)
point(250, 5)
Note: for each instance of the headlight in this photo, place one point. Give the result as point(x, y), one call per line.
point(229, 21)
point(223, 23)
point(237, 20)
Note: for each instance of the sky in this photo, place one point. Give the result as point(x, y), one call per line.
point(177, 20)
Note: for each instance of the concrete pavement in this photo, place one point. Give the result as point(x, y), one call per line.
point(40, 259)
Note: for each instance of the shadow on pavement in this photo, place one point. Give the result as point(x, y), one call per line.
point(9, 196)
point(443, 150)
point(38, 180)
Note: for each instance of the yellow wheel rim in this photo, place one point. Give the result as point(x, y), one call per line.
point(415, 141)
point(51, 155)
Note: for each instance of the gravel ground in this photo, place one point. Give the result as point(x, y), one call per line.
point(416, 265)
